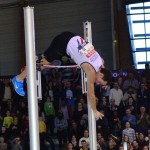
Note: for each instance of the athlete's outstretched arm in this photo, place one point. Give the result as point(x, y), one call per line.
point(91, 76)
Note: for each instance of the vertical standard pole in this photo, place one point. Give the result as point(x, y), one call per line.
point(31, 75)
point(91, 117)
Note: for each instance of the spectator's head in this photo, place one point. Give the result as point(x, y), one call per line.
point(115, 85)
point(128, 112)
point(15, 120)
point(142, 109)
point(121, 147)
point(135, 144)
point(73, 138)
point(99, 136)
point(141, 136)
point(126, 138)
point(130, 75)
point(104, 77)
point(8, 113)
point(2, 139)
point(130, 100)
point(142, 86)
point(127, 124)
point(80, 106)
point(86, 133)
point(74, 125)
point(112, 102)
point(3, 129)
point(70, 147)
point(48, 99)
point(145, 148)
point(60, 115)
point(84, 144)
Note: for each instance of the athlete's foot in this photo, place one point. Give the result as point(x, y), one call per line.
point(18, 86)
point(98, 115)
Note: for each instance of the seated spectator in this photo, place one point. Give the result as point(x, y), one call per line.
point(116, 93)
point(74, 142)
point(73, 130)
point(131, 82)
point(115, 124)
point(70, 146)
point(84, 145)
point(141, 140)
point(61, 126)
point(78, 113)
point(143, 96)
point(112, 144)
point(112, 108)
point(135, 145)
point(16, 144)
point(129, 118)
point(102, 126)
point(50, 115)
point(42, 132)
point(129, 132)
point(85, 138)
point(101, 141)
point(3, 144)
point(8, 119)
point(131, 104)
point(104, 106)
point(15, 128)
point(129, 93)
point(143, 121)
point(4, 133)
point(64, 110)
point(145, 148)
point(84, 122)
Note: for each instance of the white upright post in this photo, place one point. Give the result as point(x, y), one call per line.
point(91, 117)
point(31, 75)
point(125, 146)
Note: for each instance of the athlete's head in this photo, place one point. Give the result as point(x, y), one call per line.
point(104, 76)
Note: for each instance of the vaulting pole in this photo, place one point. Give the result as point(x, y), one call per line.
point(91, 117)
point(31, 77)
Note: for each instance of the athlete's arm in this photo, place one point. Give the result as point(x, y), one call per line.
point(91, 76)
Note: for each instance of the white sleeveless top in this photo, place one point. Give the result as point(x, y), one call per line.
point(82, 52)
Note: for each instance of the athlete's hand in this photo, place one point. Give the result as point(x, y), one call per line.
point(44, 62)
point(98, 115)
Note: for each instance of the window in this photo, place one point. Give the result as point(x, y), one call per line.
point(138, 16)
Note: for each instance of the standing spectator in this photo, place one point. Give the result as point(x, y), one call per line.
point(131, 82)
point(116, 93)
point(7, 91)
point(3, 144)
point(16, 144)
point(8, 119)
point(73, 130)
point(129, 132)
point(143, 121)
point(42, 132)
point(143, 96)
point(61, 127)
point(64, 110)
point(50, 114)
point(130, 118)
point(85, 138)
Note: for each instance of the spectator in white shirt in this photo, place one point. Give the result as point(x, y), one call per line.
point(116, 93)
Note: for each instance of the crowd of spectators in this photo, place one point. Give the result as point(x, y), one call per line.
point(63, 114)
